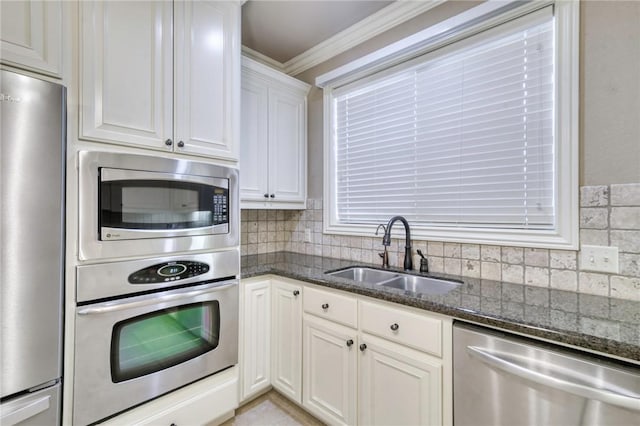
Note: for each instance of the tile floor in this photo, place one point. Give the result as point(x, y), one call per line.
point(272, 409)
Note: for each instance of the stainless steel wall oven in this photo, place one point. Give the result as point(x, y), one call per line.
point(132, 205)
point(147, 327)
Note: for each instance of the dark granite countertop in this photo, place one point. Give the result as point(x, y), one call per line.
point(602, 324)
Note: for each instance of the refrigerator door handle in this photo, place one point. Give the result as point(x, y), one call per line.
point(24, 411)
point(590, 392)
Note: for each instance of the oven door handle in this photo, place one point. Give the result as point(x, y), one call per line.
point(149, 299)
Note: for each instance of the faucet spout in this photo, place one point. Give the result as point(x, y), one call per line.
point(386, 240)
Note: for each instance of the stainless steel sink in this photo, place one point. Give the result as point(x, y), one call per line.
point(367, 275)
point(392, 279)
point(423, 285)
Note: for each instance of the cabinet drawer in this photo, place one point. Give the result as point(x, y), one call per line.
point(332, 306)
point(418, 331)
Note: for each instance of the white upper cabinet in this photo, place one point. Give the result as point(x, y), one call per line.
point(207, 83)
point(31, 35)
point(273, 153)
point(254, 139)
point(161, 75)
point(126, 72)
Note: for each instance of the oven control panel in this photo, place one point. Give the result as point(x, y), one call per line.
point(168, 271)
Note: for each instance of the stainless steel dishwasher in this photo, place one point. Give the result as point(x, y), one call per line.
point(501, 379)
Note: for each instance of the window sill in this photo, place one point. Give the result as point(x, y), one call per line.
point(547, 239)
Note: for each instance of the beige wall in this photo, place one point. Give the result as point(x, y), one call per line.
point(609, 98)
point(610, 92)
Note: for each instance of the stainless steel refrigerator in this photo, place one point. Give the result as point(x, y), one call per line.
point(32, 114)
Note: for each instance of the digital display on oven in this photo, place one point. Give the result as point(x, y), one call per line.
point(168, 272)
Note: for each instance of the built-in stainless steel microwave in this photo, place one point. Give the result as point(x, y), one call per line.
point(138, 205)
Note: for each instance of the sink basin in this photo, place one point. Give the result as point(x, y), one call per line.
point(367, 275)
point(392, 279)
point(423, 285)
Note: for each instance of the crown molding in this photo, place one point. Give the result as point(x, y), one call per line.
point(252, 67)
point(384, 19)
point(263, 59)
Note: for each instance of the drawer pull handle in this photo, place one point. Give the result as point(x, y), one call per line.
point(395, 327)
point(363, 347)
point(349, 343)
point(296, 292)
point(325, 306)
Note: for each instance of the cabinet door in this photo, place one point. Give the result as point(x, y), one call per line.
point(256, 337)
point(254, 140)
point(330, 371)
point(398, 385)
point(31, 35)
point(207, 68)
point(126, 72)
point(286, 339)
point(287, 146)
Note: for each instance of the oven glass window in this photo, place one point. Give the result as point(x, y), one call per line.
point(161, 339)
point(161, 204)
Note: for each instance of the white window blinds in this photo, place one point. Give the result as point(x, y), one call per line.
point(462, 138)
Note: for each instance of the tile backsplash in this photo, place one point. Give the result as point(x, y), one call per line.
point(609, 216)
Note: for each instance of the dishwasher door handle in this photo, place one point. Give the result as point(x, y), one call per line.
point(606, 396)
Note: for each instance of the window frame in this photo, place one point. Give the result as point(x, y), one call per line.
point(566, 122)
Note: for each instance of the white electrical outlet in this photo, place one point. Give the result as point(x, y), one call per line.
point(307, 235)
point(599, 259)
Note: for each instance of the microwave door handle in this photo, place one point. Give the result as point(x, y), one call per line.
point(108, 175)
point(590, 392)
point(150, 299)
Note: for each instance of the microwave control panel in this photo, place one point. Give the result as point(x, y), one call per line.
point(167, 272)
point(220, 206)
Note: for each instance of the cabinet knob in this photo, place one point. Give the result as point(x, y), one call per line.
point(296, 292)
point(180, 144)
point(173, 424)
point(395, 327)
point(266, 195)
point(363, 347)
point(349, 342)
point(272, 195)
point(325, 306)
point(168, 142)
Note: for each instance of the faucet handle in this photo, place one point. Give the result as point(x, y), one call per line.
point(381, 226)
point(385, 258)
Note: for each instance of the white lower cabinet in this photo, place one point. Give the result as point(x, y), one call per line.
point(398, 385)
point(255, 349)
point(286, 338)
point(361, 361)
point(330, 371)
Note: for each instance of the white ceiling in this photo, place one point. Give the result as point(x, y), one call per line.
point(282, 30)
